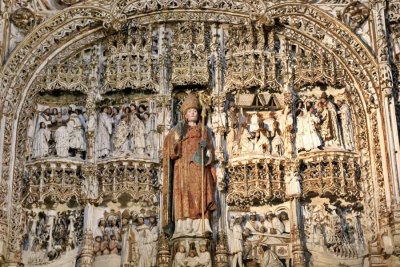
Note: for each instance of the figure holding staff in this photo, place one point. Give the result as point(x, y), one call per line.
point(189, 174)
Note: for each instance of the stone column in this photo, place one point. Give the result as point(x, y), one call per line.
point(86, 256)
point(297, 235)
point(296, 220)
point(221, 253)
point(390, 155)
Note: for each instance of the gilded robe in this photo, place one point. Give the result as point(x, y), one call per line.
point(186, 175)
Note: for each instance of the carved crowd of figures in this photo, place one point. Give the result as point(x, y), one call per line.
point(124, 130)
point(192, 257)
point(48, 234)
point(313, 124)
point(310, 124)
point(129, 129)
point(250, 236)
point(132, 236)
point(333, 228)
point(323, 123)
point(58, 131)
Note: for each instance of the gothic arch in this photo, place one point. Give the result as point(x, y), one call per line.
point(78, 23)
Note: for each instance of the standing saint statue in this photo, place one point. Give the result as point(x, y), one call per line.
point(189, 174)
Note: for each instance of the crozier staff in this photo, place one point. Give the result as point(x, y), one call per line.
point(188, 167)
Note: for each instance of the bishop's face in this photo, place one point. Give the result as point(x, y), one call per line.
point(192, 115)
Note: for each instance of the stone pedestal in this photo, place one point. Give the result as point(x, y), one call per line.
point(164, 253)
point(107, 261)
point(221, 252)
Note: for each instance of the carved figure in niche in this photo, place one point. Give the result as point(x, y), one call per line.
point(307, 136)
point(77, 141)
point(180, 257)
point(233, 128)
point(104, 131)
point(97, 245)
point(121, 136)
point(128, 239)
point(144, 243)
point(162, 118)
point(33, 222)
point(284, 218)
point(286, 124)
point(272, 224)
point(246, 145)
point(347, 126)
point(154, 239)
point(204, 256)
point(301, 130)
point(71, 230)
point(218, 118)
point(40, 146)
point(116, 117)
point(101, 228)
point(329, 122)
point(141, 112)
point(261, 142)
point(57, 119)
point(269, 258)
point(254, 123)
point(269, 122)
point(277, 145)
point(292, 182)
point(61, 137)
point(113, 245)
point(105, 250)
point(137, 132)
point(236, 242)
point(45, 116)
point(251, 231)
point(30, 136)
point(184, 145)
point(112, 227)
point(149, 134)
point(192, 260)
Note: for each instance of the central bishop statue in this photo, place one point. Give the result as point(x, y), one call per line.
point(189, 174)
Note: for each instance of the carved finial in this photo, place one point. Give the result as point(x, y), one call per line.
point(221, 253)
point(164, 254)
